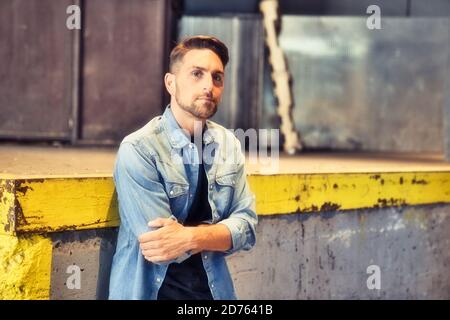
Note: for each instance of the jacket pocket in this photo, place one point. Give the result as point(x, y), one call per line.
point(228, 179)
point(224, 192)
point(177, 194)
point(176, 189)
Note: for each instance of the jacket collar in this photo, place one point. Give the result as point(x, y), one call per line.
point(178, 137)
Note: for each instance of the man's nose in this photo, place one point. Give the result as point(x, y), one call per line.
point(208, 84)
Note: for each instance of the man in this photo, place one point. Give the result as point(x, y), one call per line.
point(182, 208)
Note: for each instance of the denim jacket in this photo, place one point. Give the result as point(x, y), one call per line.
point(155, 175)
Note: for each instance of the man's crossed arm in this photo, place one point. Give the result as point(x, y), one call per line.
point(144, 203)
point(172, 239)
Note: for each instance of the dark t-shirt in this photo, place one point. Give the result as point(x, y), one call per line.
point(188, 280)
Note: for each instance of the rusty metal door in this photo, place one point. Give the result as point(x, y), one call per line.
point(92, 86)
point(125, 55)
point(35, 48)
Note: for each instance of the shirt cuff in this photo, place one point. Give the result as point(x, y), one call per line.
point(237, 233)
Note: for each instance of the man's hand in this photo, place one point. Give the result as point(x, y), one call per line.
point(170, 241)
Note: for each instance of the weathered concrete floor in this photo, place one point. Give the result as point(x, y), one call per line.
point(39, 161)
point(56, 161)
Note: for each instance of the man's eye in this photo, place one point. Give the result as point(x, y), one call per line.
point(218, 77)
point(197, 73)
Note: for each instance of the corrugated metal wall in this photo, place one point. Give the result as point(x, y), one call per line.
point(356, 88)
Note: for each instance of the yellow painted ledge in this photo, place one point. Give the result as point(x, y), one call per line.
point(7, 207)
point(298, 193)
point(25, 267)
point(58, 204)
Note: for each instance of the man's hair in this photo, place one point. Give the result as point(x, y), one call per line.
point(198, 42)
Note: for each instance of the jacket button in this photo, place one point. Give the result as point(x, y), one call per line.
point(210, 187)
point(171, 192)
point(158, 279)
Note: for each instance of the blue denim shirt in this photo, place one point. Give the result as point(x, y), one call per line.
point(156, 174)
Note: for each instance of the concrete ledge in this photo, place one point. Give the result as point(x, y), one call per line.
point(44, 193)
point(301, 193)
point(50, 190)
point(58, 204)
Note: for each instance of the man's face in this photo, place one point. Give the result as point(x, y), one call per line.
point(199, 80)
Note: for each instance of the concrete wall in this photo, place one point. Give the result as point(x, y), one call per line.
point(92, 252)
point(302, 256)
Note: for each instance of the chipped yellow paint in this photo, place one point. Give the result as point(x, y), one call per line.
point(7, 214)
point(56, 204)
point(345, 191)
point(25, 267)
point(49, 205)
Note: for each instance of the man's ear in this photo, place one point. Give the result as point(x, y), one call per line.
point(169, 81)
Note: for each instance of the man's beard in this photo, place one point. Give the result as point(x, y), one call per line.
point(199, 108)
